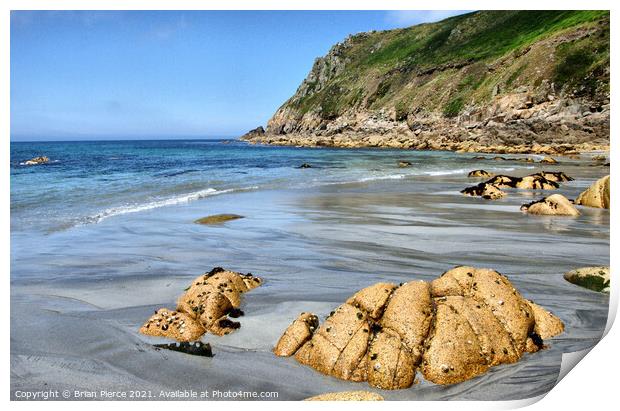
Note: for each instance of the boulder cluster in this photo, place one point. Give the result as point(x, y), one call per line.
point(492, 188)
point(597, 195)
point(205, 306)
point(450, 330)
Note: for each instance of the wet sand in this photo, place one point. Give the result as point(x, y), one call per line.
point(79, 296)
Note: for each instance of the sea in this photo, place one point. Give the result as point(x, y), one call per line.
point(86, 182)
point(104, 234)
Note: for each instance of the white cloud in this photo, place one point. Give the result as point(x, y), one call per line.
point(411, 17)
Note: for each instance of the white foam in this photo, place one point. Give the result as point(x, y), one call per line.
point(388, 177)
point(135, 208)
point(447, 172)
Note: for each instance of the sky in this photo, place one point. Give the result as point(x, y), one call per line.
point(79, 75)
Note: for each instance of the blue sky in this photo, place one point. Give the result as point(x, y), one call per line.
point(168, 74)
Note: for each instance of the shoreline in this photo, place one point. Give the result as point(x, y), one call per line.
point(406, 143)
point(329, 242)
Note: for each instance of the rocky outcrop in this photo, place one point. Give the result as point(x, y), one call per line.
point(555, 204)
point(593, 278)
point(254, 133)
point(597, 195)
point(347, 396)
point(37, 160)
point(534, 181)
point(449, 330)
point(217, 219)
point(491, 189)
point(370, 91)
point(206, 306)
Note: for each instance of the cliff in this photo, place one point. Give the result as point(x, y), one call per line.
point(511, 80)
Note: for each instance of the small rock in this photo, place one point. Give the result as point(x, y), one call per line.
point(593, 278)
point(217, 218)
point(479, 173)
point(549, 160)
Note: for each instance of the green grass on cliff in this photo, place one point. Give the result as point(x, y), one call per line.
point(443, 66)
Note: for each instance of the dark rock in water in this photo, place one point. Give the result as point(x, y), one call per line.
point(217, 218)
point(192, 348)
point(404, 163)
point(37, 160)
point(305, 165)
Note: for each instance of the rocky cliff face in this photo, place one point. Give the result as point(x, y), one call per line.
point(513, 79)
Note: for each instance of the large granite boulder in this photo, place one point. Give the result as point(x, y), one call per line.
point(450, 330)
point(555, 204)
point(593, 278)
point(206, 306)
point(597, 195)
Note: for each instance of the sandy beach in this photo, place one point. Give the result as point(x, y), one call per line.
point(78, 296)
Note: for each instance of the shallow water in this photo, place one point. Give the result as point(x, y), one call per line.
point(85, 290)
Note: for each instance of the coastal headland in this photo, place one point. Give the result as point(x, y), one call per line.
point(489, 81)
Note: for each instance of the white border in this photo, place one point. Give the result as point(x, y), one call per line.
point(591, 385)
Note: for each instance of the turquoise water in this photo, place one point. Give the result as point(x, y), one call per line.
point(104, 235)
point(87, 182)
